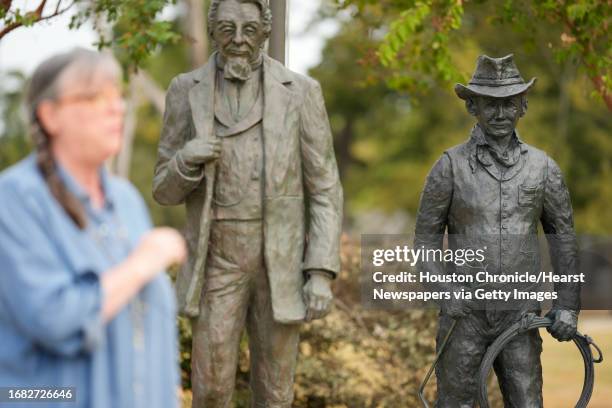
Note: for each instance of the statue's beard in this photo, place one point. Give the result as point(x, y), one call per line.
point(237, 68)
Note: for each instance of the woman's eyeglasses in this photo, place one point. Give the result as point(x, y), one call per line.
point(101, 99)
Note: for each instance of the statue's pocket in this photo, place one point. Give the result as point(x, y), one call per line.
point(528, 194)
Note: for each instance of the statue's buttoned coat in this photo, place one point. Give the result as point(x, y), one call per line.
point(482, 206)
point(302, 195)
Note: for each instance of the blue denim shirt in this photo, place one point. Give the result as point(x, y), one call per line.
point(51, 332)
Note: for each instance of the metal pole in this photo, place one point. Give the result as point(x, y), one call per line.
point(435, 363)
point(197, 29)
point(276, 47)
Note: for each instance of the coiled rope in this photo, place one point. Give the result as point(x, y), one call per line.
point(531, 322)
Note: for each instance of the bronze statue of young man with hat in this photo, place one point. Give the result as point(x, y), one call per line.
point(247, 147)
point(492, 192)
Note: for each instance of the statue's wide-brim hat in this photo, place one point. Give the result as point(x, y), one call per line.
point(496, 78)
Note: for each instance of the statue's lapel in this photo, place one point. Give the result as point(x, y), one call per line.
point(222, 112)
point(277, 98)
point(254, 116)
point(202, 100)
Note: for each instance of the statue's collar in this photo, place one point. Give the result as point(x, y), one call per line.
point(477, 138)
point(480, 150)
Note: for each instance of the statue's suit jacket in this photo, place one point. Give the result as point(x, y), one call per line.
point(484, 208)
point(300, 172)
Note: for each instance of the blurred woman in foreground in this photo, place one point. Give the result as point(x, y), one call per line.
point(83, 302)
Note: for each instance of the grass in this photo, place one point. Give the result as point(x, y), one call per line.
point(563, 366)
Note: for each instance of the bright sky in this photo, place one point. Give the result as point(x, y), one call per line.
point(24, 48)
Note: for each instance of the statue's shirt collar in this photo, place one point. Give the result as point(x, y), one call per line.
point(481, 152)
point(487, 154)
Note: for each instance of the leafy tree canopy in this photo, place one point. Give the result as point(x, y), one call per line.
point(419, 36)
point(135, 30)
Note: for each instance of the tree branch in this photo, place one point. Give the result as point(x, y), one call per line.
point(37, 15)
point(40, 8)
point(5, 5)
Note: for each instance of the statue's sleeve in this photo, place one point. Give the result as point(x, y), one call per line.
point(558, 225)
point(321, 184)
point(435, 202)
point(433, 213)
point(173, 180)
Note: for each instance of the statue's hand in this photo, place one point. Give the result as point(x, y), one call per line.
point(457, 308)
point(317, 295)
point(565, 324)
point(197, 152)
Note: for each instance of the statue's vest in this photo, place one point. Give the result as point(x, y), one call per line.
point(498, 211)
point(238, 187)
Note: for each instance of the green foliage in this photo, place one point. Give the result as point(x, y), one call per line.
point(136, 30)
point(21, 17)
point(386, 140)
point(418, 44)
point(584, 36)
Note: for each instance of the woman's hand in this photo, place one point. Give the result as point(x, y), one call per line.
point(159, 249)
